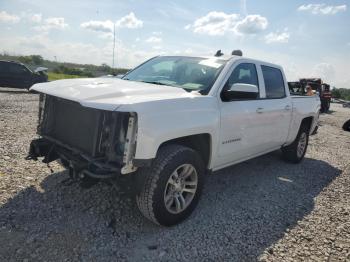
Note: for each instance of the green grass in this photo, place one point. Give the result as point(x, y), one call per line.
point(55, 76)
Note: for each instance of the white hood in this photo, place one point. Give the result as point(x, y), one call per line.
point(108, 93)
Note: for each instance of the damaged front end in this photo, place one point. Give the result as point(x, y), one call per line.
point(87, 141)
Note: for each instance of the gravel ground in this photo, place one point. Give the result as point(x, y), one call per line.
point(263, 209)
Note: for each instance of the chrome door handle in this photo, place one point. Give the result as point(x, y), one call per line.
point(260, 110)
point(288, 107)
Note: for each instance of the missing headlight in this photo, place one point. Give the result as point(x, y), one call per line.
point(113, 137)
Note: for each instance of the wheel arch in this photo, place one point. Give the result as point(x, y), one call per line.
point(307, 121)
point(201, 143)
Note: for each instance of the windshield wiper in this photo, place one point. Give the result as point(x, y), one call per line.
point(163, 84)
point(155, 83)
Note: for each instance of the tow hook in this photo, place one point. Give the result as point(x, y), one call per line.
point(75, 170)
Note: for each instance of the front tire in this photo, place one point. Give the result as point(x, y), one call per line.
point(172, 186)
point(295, 152)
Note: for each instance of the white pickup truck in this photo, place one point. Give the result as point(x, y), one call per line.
point(169, 122)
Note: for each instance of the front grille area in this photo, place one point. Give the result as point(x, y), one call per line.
point(71, 124)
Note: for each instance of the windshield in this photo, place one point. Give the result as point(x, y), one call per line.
point(190, 73)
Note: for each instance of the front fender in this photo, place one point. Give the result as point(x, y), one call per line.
point(162, 121)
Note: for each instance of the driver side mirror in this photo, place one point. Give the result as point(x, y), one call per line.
point(240, 91)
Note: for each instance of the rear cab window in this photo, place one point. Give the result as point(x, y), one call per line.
point(274, 82)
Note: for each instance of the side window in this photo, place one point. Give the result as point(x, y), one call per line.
point(244, 73)
point(3, 67)
point(274, 83)
point(17, 69)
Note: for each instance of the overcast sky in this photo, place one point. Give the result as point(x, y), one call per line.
point(308, 38)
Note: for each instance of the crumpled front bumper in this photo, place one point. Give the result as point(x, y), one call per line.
point(78, 164)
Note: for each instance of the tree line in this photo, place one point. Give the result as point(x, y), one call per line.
point(85, 70)
point(341, 93)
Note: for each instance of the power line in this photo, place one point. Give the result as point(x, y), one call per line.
point(113, 46)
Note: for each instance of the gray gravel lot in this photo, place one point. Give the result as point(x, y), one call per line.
point(263, 209)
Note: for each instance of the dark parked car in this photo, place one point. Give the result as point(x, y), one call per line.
point(17, 75)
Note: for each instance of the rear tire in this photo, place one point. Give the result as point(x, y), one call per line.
point(295, 152)
point(176, 173)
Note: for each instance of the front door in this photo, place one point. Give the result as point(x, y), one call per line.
point(4, 81)
point(19, 76)
point(243, 127)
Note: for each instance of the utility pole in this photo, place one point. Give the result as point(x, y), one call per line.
point(113, 45)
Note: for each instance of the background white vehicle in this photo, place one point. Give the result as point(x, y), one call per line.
point(169, 122)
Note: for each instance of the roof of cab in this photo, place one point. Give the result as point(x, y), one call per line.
point(228, 58)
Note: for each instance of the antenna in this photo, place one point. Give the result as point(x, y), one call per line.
point(113, 45)
point(219, 53)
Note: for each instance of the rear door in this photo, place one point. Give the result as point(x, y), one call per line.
point(276, 106)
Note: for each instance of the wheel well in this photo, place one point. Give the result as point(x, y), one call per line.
point(201, 143)
point(307, 122)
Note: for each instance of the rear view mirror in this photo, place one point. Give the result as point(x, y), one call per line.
point(240, 91)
